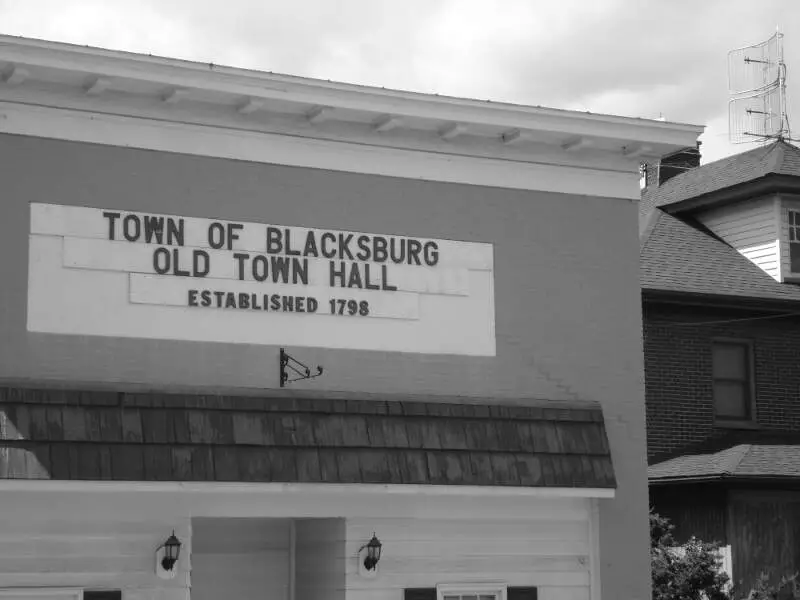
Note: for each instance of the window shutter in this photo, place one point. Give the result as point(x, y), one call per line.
point(102, 594)
point(521, 593)
point(420, 594)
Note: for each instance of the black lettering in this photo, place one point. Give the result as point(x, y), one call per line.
point(161, 261)
point(274, 245)
point(355, 277)
point(310, 248)
point(385, 280)
point(288, 304)
point(414, 248)
point(431, 251)
point(254, 302)
point(299, 304)
point(311, 304)
point(280, 269)
point(275, 302)
point(244, 300)
point(300, 271)
point(176, 263)
point(328, 237)
point(379, 245)
point(260, 267)
point(363, 246)
point(367, 284)
point(232, 235)
point(216, 235)
point(397, 256)
point(154, 229)
point(240, 257)
point(199, 270)
point(230, 300)
point(337, 274)
point(111, 216)
point(192, 297)
point(289, 250)
point(344, 246)
point(219, 296)
point(131, 228)
point(175, 232)
point(205, 298)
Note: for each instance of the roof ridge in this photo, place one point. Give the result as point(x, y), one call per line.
point(776, 161)
point(650, 224)
point(738, 457)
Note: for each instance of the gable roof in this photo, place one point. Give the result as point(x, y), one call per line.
point(778, 158)
point(734, 456)
point(681, 256)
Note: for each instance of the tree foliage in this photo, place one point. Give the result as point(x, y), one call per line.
point(692, 571)
point(688, 571)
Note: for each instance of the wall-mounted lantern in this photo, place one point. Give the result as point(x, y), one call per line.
point(166, 557)
point(368, 557)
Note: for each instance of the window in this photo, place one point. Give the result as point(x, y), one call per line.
point(471, 591)
point(732, 373)
point(794, 241)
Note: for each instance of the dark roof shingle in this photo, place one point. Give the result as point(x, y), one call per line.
point(747, 456)
point(69, 435)
point(778, 158)
point(681, 256)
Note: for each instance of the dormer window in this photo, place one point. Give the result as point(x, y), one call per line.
point(794, 241)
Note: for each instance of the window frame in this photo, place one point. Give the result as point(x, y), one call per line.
point(790, 229)
point(499, 589)
point(751, 401)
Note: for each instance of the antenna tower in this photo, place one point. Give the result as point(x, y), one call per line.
point(757, 89)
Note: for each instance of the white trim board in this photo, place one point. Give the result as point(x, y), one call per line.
point(204, 140)
point(171, 500)
point(326, 488)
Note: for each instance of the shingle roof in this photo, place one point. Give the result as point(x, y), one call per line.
point(778, 158)
point(73, 435)
point(748, 456)
point(681, 256)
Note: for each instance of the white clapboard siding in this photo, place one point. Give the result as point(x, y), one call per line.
point(93, 553)
point(549, 553)
point(752, 228)
point(320, 565)
point(246, 559)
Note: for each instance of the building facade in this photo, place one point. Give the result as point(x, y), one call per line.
point(722, 341)
point(177, 237)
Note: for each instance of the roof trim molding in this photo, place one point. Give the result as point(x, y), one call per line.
point(452, 139)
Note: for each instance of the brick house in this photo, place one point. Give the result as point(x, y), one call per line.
point(720, 260)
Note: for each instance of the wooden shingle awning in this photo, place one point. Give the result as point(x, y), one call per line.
point(74, 435)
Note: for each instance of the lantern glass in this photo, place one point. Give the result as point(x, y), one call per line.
point(172, 547)
point(373, 552)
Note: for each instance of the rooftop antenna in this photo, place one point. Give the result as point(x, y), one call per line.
point(757, 89)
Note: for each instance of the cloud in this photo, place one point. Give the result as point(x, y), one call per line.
point(637, 58)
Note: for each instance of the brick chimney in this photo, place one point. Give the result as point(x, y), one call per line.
point(671, 165)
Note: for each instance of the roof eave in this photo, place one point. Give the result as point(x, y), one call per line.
point(722, 478)
point(719, 300)
point(633, 138)
point(767, 184)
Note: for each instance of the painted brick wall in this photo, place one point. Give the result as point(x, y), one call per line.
point(568, 310)
point(678, 372)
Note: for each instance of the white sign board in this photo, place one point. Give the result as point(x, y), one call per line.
point(130, 274)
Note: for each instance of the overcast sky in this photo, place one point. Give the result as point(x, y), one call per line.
point(641, 58)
